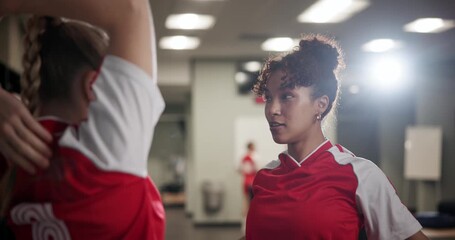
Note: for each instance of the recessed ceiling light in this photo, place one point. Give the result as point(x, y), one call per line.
point(241, 77)
point(429, 25)
point(279, 44)
point(179, 42)
point(381, 45)
point(252, 66)
point(332, 11)
point(189, 21)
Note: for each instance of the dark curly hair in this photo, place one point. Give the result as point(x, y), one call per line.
point(315, 63)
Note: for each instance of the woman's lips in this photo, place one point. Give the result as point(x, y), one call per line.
point(276, 125)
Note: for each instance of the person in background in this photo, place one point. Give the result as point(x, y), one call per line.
point(90, 79)
point(317, 189)
point(248, 169)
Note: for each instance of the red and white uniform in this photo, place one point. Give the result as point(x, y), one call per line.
point(248, 170)
point(331, 194)
point(97, 186)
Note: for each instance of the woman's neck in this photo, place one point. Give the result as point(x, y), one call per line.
point(301, 149)
point(64, 111)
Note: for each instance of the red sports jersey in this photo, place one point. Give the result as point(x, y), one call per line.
point(97, 185)
point(331, 194)
point(248, 169)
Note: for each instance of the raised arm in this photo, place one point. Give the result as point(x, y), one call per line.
point(127, 22)
point(418, 236)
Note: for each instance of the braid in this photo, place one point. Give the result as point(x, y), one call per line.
point(31, 80)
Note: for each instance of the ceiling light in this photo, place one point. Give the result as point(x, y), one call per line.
point(179, 42)
point(278, 44)
point(241, 77)
point(252, 66)
point(429, 25)
point(332, 11)
point(381, 45)
point(189, 21)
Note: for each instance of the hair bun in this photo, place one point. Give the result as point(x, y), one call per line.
point(323, 49)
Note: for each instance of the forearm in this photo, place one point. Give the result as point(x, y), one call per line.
point(418, 236)
point(103, 13)
point(127, 22)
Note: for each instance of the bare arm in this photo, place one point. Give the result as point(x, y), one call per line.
point(127, 22)
point(418, 236)
point(22, 138)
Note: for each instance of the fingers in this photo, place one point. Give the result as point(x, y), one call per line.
point(30, 147)
point(22, 139)
point(32, 132)
point(19, 145)
point(18, 160)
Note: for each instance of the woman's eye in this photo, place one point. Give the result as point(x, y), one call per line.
point(267, 98)
point(286, 96)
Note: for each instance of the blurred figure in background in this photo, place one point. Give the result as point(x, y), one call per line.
point(248, 169)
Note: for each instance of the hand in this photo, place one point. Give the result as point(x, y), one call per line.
point(22, 138)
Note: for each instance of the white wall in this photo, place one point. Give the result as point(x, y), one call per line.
point(214, 109)
point(168, 143)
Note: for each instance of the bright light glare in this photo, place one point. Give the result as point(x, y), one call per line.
point(278, 44)
point(429, 25)
point(332, 11)
point(354, 89)
point(388, 73)
point(179, 42)
point(252, 66)
point(381, 45)
point(189, 21)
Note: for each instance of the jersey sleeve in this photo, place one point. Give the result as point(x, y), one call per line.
point(385, 216)
point(118, 133)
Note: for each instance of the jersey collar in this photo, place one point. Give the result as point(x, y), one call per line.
point(326, 145)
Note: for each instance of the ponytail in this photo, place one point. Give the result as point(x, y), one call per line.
point(31, 78)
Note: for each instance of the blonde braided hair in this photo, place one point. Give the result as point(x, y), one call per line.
point(30, 84)
point(31, 78)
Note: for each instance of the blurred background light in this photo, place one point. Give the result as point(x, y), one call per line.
point(381, 45)
point(278, 44)
point(190, 21)
point(429, 25)
point(241, 77)
point(332, 11)
point(354, 89)
point(179, 42)
point(388, 73)
point(252, 66)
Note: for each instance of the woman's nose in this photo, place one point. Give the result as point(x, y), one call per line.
point(273, 108)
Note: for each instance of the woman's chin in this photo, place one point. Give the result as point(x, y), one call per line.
point(279, 140)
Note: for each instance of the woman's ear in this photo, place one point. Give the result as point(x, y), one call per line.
point(322, 103)
point(88, 80)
